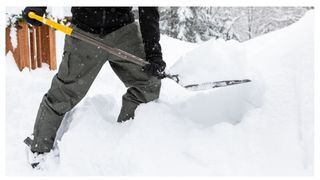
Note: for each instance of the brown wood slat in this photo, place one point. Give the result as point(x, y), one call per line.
point(33, 48)
point(23, 46)
point(52, 49)
point(17, 51)
point(9, 47)
point(44, 44)
point(39, 47)
point(48, 46)
point(8, 41)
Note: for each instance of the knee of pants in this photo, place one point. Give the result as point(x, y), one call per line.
point(152, 97)
point(63, 97)
point(152, 92)
point(143, 94)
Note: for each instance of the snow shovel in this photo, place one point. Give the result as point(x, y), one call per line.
point(129, 57)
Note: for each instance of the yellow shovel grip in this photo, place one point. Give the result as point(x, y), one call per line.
point(65, 29)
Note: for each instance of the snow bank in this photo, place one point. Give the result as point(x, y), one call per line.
point(24, 91)
point(259, 128)
point(174, 48)
point(214, 60)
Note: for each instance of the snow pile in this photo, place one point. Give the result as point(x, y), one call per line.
point(259, 128)
point(214, 60)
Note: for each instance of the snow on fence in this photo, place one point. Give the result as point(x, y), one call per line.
point(32, 46)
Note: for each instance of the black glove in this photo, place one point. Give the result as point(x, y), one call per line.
point(38, 10)
point(156, 66)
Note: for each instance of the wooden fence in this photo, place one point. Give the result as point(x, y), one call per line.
point(35, 45)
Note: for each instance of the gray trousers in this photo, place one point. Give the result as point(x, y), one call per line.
point(80, 65)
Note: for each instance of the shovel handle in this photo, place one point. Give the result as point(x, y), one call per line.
point(87, 38)
point(65, 29)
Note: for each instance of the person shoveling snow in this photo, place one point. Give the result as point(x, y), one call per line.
point(98, 34)
point(81, 64)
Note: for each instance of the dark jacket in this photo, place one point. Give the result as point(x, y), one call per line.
point(104, 20)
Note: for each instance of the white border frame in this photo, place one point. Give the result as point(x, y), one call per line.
point(314, 3)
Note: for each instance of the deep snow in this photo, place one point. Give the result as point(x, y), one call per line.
point(260, 128)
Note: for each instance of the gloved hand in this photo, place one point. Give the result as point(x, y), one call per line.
point(156, 66)
point(38, 10)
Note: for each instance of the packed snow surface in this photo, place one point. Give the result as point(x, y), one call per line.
point(260, 128)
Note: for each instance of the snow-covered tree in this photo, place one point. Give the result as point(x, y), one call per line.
point(196, 24)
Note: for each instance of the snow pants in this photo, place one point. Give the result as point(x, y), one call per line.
point(80, 65)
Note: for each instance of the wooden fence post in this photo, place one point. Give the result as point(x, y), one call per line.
point(33, 48)
point(48, 42)
point(21, 52)
point(41, 47)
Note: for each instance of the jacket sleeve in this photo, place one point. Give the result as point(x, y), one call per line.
point(149, 25)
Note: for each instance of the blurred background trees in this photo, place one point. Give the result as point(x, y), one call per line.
point(197, 24)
